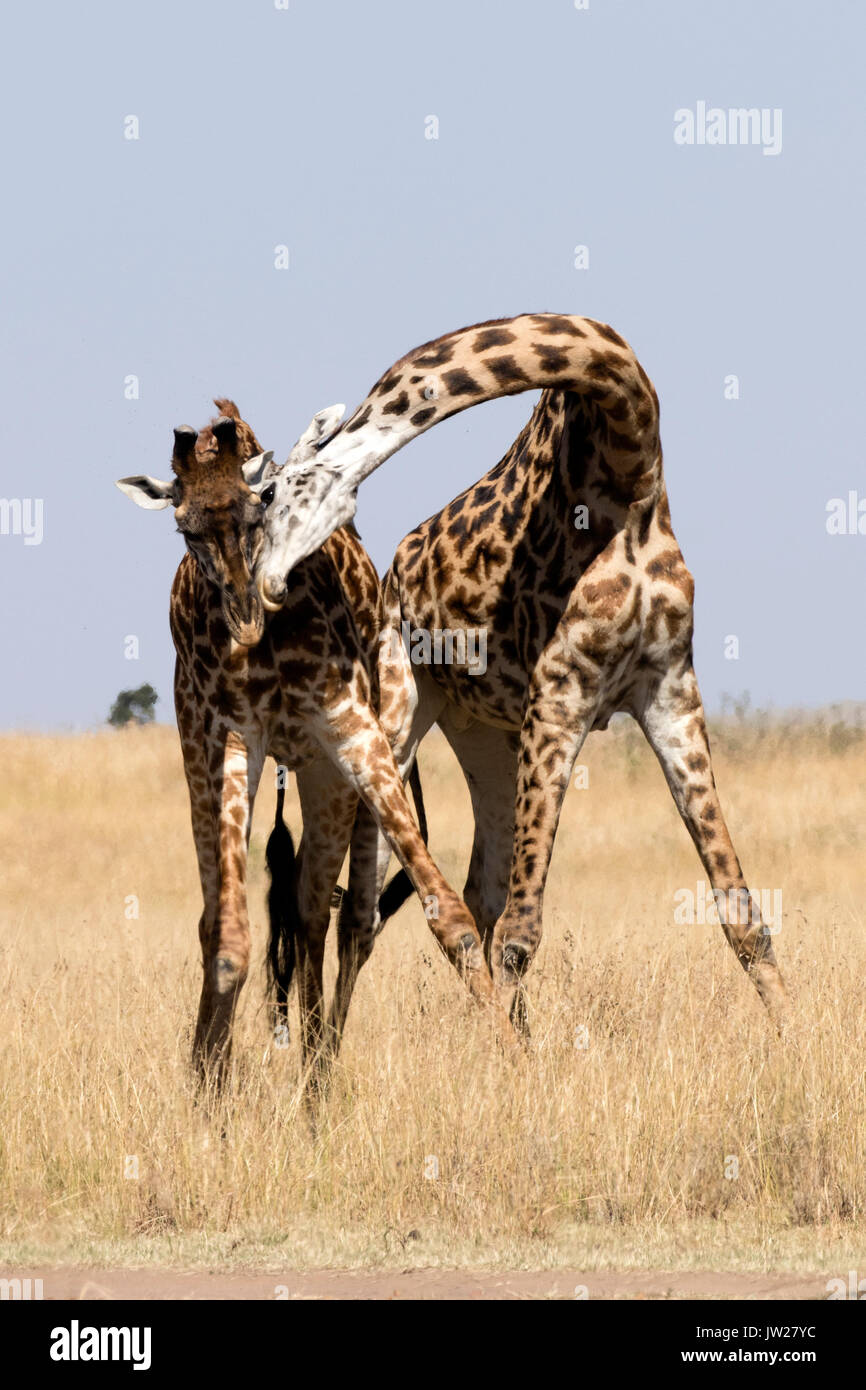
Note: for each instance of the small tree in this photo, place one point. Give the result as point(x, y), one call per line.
point(134, 707)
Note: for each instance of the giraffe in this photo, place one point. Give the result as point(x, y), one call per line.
point(564, 556)
point(302, 688)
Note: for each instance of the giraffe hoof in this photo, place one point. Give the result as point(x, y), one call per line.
point(515, 959)
point(468, 956)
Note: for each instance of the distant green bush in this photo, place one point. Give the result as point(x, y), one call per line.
point(134, 707)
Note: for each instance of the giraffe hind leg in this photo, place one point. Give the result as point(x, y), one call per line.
point(673, 721)
point(328, 806)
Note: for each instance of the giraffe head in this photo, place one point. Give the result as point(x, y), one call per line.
point(218, 513)
point(305, 504)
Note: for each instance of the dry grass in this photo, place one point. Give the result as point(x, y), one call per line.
point(609, 1154)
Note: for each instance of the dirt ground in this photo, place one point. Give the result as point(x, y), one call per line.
point(87, 1284)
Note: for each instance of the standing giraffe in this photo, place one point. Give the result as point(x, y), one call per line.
point(564, 556)
point(302, 689)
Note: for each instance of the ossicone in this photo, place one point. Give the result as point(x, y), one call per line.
point(184, 443)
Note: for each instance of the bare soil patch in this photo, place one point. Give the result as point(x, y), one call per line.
point(445, 1284)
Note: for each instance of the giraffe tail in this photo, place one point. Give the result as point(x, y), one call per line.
point(282, 912)
point(399, 888)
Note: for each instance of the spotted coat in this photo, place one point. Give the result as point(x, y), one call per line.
point(565, 557)
point(301, 688)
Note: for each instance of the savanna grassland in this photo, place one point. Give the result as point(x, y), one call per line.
point(655, 1122)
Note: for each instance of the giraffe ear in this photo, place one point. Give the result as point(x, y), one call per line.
point(325, 421)
point(323, 424)
point(147, 492)
point(255, 470)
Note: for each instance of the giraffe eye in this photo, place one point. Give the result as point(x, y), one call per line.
point(267, 495)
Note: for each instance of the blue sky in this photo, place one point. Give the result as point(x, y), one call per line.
point(305, 127)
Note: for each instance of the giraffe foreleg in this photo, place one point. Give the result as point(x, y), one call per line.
point(225, 933)
point(488, 758)
point(673, 721)
point(366, 759)
point(204, 813)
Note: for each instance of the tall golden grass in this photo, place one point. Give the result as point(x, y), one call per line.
point(656, 1119)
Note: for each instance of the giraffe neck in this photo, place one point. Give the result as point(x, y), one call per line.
point(557, 352)
point(584, 363)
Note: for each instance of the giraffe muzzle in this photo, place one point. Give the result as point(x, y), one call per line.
point(245, 618)
point(273, 593)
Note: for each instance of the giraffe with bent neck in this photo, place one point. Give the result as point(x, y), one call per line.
point(301, 688)
point(580, 622)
